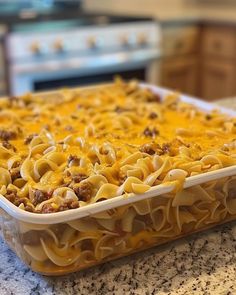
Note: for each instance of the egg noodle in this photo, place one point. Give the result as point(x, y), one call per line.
point(76, 147)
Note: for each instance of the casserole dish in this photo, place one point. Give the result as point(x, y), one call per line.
point(57, 243)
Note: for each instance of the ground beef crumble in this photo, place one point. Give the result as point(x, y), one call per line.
point(29, 138)
point(19, 201)
point(154, 98)
point(8, 145)
point(151, 148)
point(47, 208)
point(29, 208)
point(208, 117)
point(84, 191)
point(172, 147)
point(15, 173)
point(79, 177)
point(40, 196)
point(153, 115)
point(69, 205)
point(11, 196)
point(148, 132)
point(7, 135)
point(166, 147)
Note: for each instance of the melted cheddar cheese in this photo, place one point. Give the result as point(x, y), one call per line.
point(75, 147)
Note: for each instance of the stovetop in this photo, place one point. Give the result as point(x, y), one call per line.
point(66, 20)
point(25, 11)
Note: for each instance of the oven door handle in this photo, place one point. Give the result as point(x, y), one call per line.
point(128, 58)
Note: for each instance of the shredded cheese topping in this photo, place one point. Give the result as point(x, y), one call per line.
point(75, 147)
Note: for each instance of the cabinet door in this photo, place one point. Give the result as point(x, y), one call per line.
point(219, 41)
point(181, 74)
point(218, 79)
point(180, 40)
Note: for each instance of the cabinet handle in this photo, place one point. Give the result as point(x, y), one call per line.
point(179, 45)
point(217, 45)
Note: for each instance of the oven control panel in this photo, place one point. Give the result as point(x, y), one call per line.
point(113, 37)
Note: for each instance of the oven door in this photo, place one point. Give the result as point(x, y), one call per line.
point(67, 72)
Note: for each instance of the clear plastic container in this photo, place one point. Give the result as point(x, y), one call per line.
point(64, 242)
point(64, 247)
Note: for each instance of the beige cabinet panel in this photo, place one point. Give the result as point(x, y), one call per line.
point(218, 79)
point(181, 74)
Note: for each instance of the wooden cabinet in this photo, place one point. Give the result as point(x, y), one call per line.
point(179, 68)
point(217, 79)
point(200, 61)
point(219, 41)
point(218, 62)
point(180, 40)
point(181, 74)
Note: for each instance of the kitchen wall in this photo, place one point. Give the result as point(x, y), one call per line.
point(162, 8)
point(135, 6)
point(168, 9)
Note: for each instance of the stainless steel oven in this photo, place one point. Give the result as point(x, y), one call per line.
point(83, 55)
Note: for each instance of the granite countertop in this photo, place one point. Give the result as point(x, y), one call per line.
point(200, 264)
point(227, 102)
point(204, 263)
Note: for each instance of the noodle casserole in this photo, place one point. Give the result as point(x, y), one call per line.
point(93, 174)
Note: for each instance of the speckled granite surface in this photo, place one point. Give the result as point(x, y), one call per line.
point(203, 263)
point(227, 102)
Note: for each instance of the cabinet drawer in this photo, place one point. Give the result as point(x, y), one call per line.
point(180, 41)
point(219, 41)
point(181, 74)
point(218, 79)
